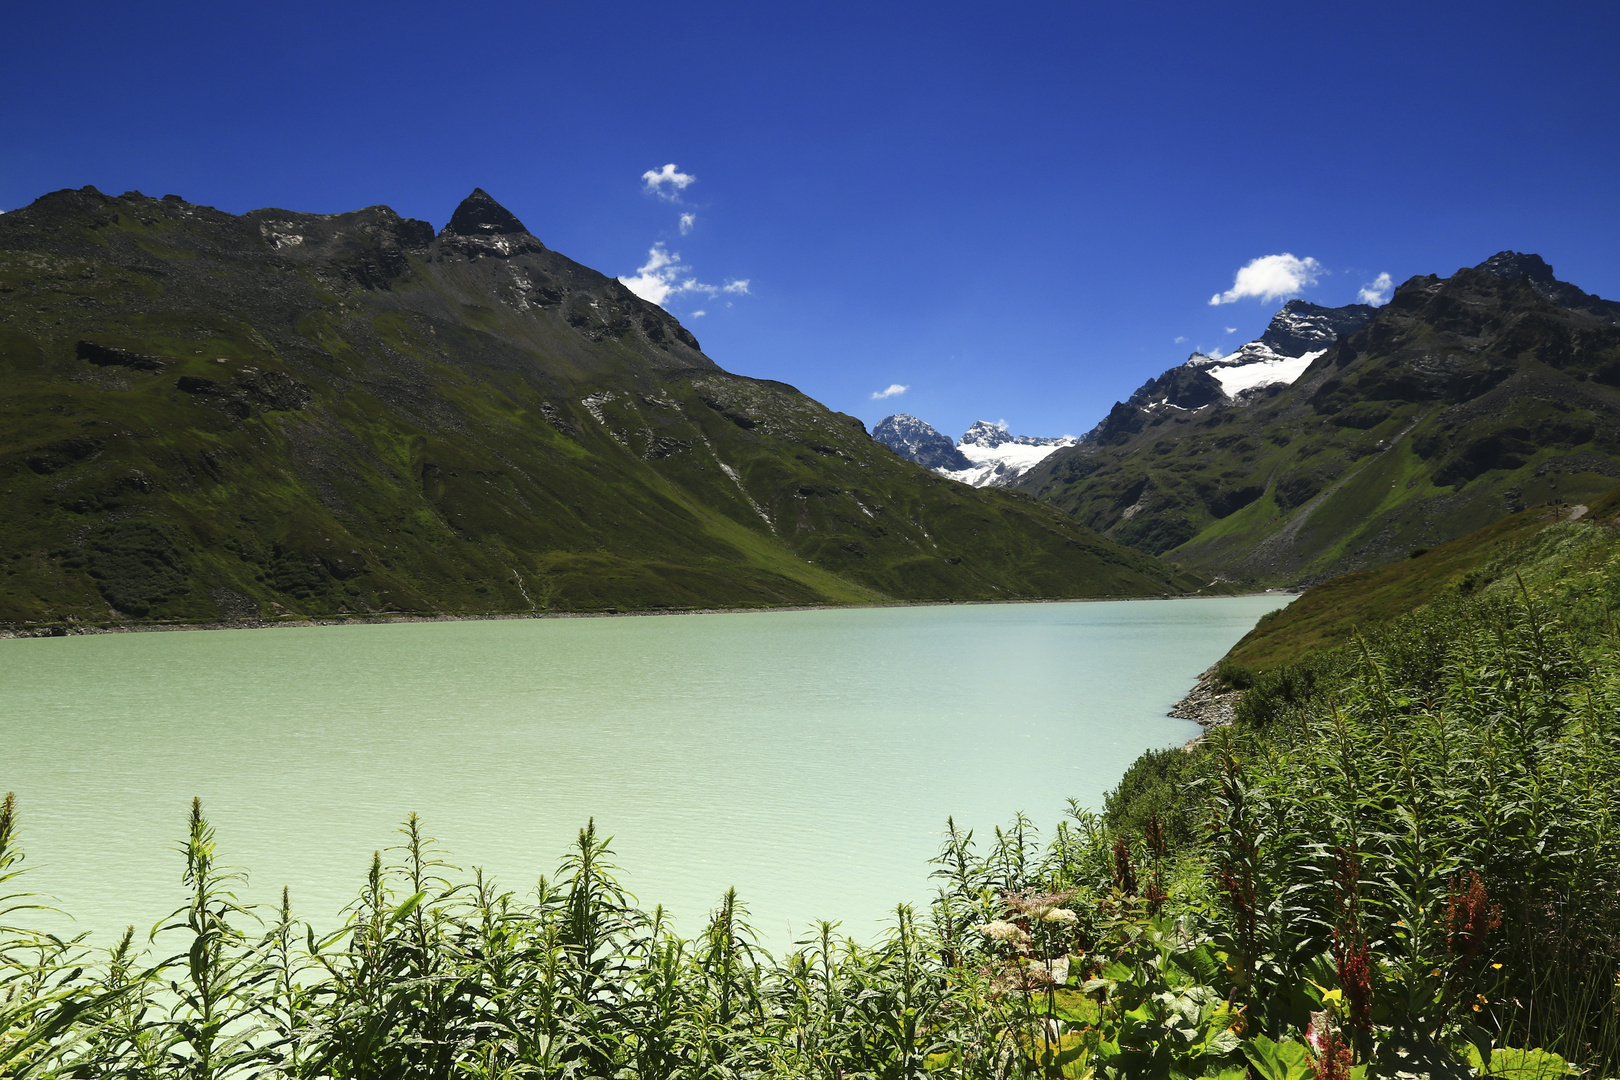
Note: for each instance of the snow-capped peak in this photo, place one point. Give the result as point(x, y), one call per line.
point(988, 455)
point(984, 433)
point(1297, 335)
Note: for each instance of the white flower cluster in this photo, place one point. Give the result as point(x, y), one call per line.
point(1000, 930)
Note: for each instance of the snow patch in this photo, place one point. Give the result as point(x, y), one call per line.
point(999, 464)
point(1259, 366)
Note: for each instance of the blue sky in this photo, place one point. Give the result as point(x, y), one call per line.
point(1013, 210)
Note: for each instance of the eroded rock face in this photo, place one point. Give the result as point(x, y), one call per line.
point(269, 391)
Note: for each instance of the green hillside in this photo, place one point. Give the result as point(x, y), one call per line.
point(1463, 401)
point(280, 415)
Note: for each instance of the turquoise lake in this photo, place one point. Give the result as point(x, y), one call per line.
point(809, 758)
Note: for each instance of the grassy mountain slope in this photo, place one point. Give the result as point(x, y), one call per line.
point(206, 416)
point(1463, 401)
point(1537, 544)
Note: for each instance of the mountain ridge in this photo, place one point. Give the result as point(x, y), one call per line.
point(1460, 401)
point(210, 416)
point(987, 455)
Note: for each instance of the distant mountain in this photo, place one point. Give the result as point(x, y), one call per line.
point(1297, 335)
point(986, 456)
point(1386, 430)
point(916, 440)
point(206, 416)
point(997, 459)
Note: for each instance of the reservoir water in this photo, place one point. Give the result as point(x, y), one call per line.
point(810, 758)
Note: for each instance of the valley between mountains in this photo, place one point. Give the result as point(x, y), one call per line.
point(219, 418)
point(1351, 437)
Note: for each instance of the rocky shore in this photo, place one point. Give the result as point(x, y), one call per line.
point(1209, 704)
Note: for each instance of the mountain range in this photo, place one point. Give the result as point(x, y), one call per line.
point(215, 417)
point(1387, 430)
point(986, 456)
point(210, 416)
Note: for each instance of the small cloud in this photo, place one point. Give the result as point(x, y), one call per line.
point(655, 279)
point(668, 182)
point(1002, 424)
point(659, 278)
point(1376, 292)
point(697, 314)
point(1231, 329)
point(687, 221)
point(1271, 277)
point(894, 390)
point(1181, 341)
point(1215, 354)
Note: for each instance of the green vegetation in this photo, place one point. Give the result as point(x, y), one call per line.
point(203, 420)
point(1543, 543)
point(1400, 861)
point(1462, 402)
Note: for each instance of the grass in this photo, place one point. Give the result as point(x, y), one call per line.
point(1329, 614)
point(441, 460)
point(1399, 862)
point(1511, 418)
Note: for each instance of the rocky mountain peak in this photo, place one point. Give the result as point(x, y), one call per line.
point(919, 441)
point(481, 215)
point(1302, 327)
point(1514, 265)
point(984, 433)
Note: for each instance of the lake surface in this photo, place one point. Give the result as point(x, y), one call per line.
point(809, 758)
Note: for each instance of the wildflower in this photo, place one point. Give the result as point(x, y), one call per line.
point(1001, 930)
point(1331, 1056)
point(1039, 905)
point(1470, 916)
point(1124, 870)
point(1354, 966)
point(1059, 914)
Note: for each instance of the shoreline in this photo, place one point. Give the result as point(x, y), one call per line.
point(1207, 704)
point(73, 629)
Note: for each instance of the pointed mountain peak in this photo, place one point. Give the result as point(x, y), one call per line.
point(984, 433)
point(1513, 265)
point(480, 215)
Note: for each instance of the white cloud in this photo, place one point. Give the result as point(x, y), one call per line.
point(660, 278)
point(1215, 354)
point(1271, 277)
point(697, 314)
point(1181, 340)
point(655, 279)
point(894, 390)
point(1231, 329)
point(1376, 292)
point(687, 221)
point(676, 181)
